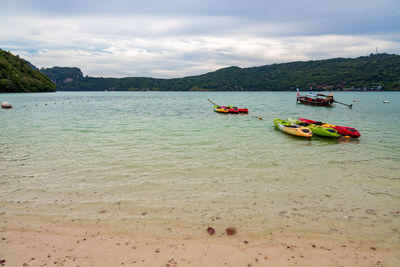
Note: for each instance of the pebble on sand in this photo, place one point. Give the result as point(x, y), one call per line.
point(210, 230)
point(230, 230)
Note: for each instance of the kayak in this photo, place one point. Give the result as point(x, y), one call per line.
point(292, 129)
point(232, 109)
point(343, 130)
point(237, 110)
point(220, 109)
point(317, 129)
point(243, 110)
point(229, 109)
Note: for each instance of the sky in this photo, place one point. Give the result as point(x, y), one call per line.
point(177, 38)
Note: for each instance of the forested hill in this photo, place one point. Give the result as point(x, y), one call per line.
point(18, 75)
point(380, 71)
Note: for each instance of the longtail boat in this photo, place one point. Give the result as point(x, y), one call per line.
point(316, 99)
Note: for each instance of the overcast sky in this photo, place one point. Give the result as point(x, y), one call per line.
point(176, 38)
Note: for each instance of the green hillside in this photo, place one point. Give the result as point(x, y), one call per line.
point(363, 73)
point(18, 75)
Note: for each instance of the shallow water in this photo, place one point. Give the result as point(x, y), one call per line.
point(168, 157)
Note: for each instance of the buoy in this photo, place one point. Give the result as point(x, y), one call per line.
point(260, 118)
point(5, 104)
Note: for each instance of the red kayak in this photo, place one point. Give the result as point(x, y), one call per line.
point(343, 130)
point(231, 109)
point(237, 110)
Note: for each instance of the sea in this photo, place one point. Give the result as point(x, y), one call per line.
point(165, 162)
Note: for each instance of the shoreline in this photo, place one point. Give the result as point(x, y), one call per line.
point(25, 242)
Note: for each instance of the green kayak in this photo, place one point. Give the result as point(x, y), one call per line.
point(317, 130)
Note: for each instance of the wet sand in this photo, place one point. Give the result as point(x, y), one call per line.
point(58, 243)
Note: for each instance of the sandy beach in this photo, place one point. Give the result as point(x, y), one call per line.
point(58, 243)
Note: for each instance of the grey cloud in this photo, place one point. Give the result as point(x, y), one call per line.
point(179, 38)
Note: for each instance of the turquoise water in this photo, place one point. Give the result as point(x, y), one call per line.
point(166, 156)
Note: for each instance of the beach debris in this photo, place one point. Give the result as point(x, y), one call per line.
point(386, 101)
point(2, 261)
point(210, 230)
point(230, 230)
point(373, 248)
point(5, 104)
point(172, 263)
point(102, 211)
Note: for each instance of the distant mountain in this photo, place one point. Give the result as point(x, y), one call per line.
point(64, 77)
point(376, 71)
point(18, 75)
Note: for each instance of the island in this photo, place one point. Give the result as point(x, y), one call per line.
point(18, 75)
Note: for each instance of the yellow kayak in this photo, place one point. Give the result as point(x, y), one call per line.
point(287, 127)
point(221, 109)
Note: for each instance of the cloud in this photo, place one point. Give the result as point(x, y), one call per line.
point(174, 57)
point(181, 38)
